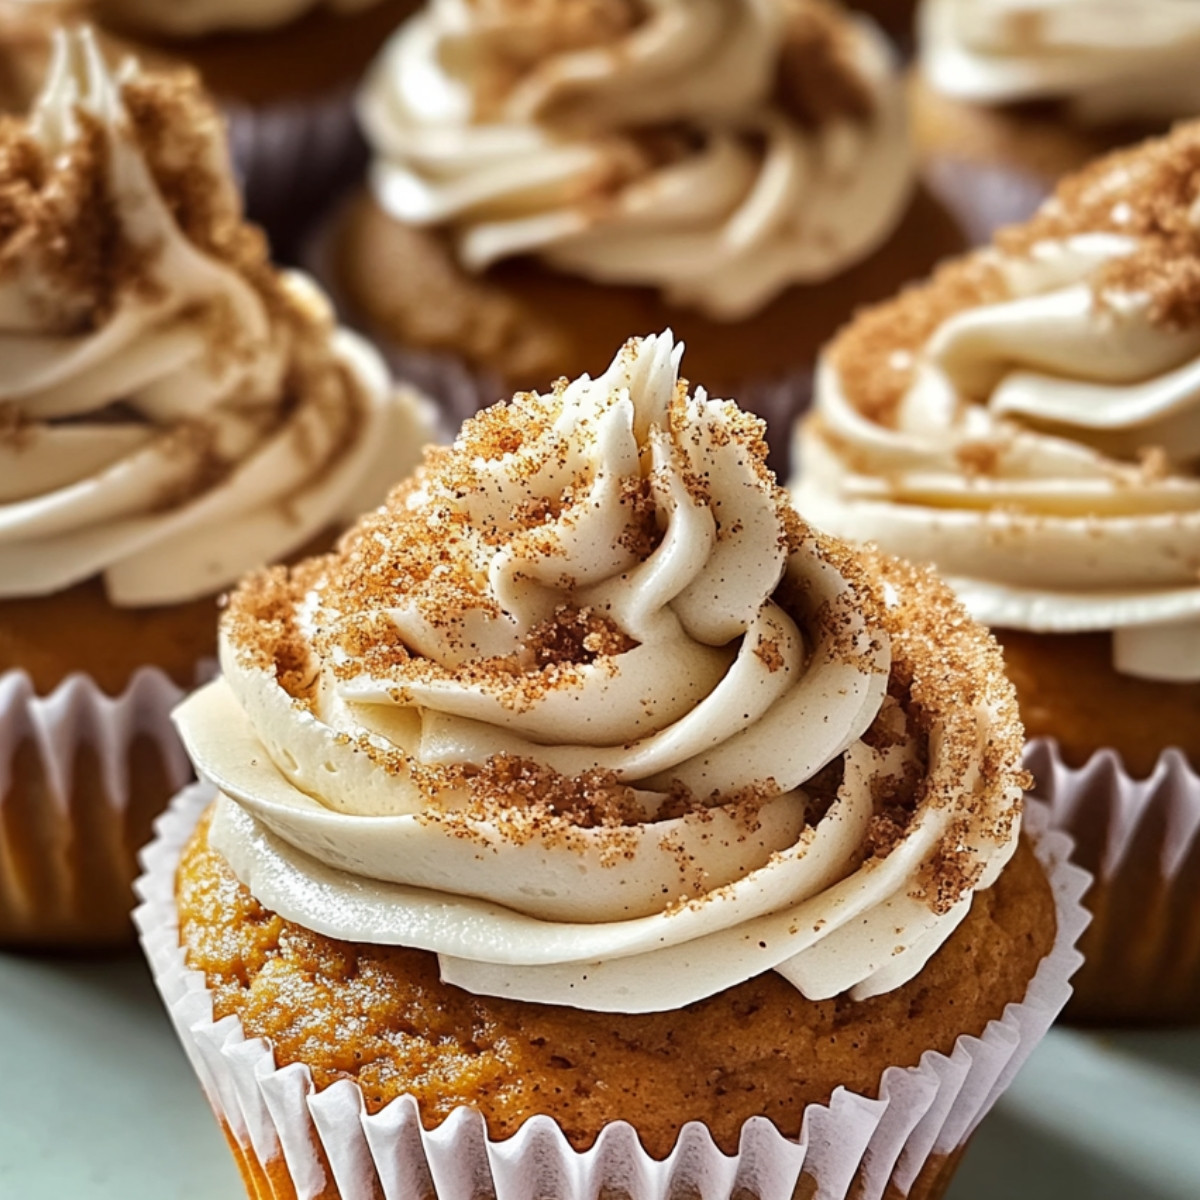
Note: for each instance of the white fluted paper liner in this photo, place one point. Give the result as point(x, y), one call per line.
point(1141, 839)
point(64, 831)
point(276, 1115)
point(1102, 794)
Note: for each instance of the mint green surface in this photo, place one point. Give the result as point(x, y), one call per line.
point(98, 1103)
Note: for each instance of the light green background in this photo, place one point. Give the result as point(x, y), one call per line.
point(98, 1103)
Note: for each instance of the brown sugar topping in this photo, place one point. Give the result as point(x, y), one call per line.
point(426, 549)
point(60, 223)
point(819, 79)
point(1150, 193)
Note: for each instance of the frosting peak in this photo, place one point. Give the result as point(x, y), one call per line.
point(1029, 419)
point(717, 149)
point(175, 410)
point(586, 710)
point(1104, 66)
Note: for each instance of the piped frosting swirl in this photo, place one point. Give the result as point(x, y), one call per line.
point(587, 711)
point(719, 150)
point(174, 410)
point(1029, 420)
point(1106, 62)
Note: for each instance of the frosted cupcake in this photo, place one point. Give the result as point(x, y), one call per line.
point(1027, 420)
point(547, 177)
point(1014, 93)
point(175, 412)
point(587, 783)
point(283, 70)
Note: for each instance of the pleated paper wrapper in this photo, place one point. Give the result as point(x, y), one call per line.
point(82, 776)
point(291, 1140)
point(1141, 840)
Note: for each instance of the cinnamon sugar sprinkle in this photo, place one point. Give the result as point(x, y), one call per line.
point(59, 223)
point(421, 551)
point(1150, 193)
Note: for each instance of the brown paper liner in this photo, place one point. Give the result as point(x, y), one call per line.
point(1140, 838)
point(82, 777)
point(293, 1142)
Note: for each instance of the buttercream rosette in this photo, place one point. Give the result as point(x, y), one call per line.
point(585, 712)
point(175, 413)
point(719, 150)
point(1104, 67)
point(1028, 422)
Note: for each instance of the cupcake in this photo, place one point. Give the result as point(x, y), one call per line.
point(174, 412)
point(1027, 420)
point(1012, 94)
point(284, 72)
point(587, 818)
point(546, 177)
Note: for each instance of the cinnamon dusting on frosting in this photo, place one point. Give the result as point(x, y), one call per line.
point(1149, 192)
point(819, 79)
point(417, 550)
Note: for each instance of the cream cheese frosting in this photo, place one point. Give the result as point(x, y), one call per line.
point(589, 713)
point(194, 18)
point(719, 150)
point(174, 411)
point(1105, 60)
point(1030, 420)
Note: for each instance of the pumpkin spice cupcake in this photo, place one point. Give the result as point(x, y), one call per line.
point(585, 784)
point(1013, 94)
point(1027, 421)
point(174, 412)
point(547, 177)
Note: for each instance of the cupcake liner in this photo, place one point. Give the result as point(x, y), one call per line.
point(292, 158)
point(984, 197)
point(1141, 840)
point(82, 775)
point(292, 1141)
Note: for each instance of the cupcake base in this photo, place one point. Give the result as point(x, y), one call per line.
point(1069, 690)
point(1141, 840)
point(298, 1140)
point(521, 325)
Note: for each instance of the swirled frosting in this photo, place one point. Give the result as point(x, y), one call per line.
point(1107, 62)
point(719, 150)
point(173, 411)
point(194, 18)
point(1030, 420)
point(587, 711)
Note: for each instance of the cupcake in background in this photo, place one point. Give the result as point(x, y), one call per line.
point(1028, 421)
point(547, 177)
point(284, 72)
point(1012, 94)
point(586, 784)
point(174, 412)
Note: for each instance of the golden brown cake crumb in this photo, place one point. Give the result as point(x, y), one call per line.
point(380, 1016)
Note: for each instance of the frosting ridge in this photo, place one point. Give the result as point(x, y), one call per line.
point(1105, 67)
point(176, 411)
point(586, 711)
point(1028, 420)
point(719, 150)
